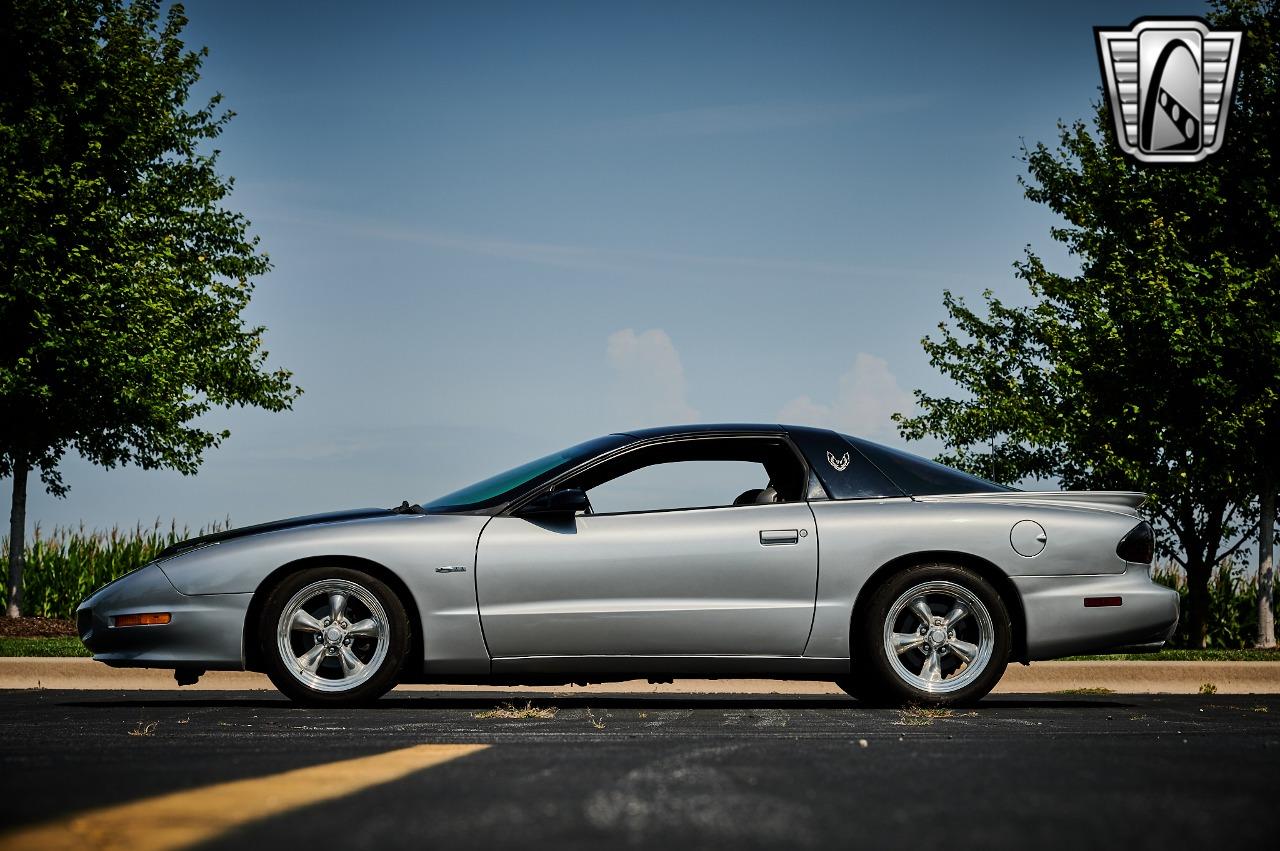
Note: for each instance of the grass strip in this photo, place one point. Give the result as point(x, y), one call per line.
point(60, 646)
point(1247, 655)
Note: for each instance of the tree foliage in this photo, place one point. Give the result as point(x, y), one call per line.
point(123, 274)
point(1155, 366)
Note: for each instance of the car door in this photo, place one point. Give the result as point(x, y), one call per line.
point(719, 579)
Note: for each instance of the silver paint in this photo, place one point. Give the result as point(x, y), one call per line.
point(763, 589)
point(205, 631)
point(1028, 538)
point(410, 546)
point(696, 582)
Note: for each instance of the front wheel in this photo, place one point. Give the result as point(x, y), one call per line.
point(333, 636)
point(933, 634)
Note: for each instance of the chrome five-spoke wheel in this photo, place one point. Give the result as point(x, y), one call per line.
point(929, 634)
point(938, 637)
point(333, 635)
point(336, 632)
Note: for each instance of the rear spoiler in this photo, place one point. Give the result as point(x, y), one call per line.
point(1107, 499)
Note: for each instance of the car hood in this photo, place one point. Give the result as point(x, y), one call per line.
point(273, 526)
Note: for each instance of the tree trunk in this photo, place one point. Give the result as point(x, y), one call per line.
point(1198, 574)
point(1266, 580)
point(17, 536)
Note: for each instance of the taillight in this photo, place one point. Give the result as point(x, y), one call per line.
point(1139, 545)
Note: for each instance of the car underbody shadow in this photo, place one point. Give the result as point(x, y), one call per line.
point(481, 700)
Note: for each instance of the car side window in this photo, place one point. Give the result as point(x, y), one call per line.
point(703, 472)
point(678, 484)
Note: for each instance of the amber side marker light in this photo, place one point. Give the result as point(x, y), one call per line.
point(146, 619)
point(1099, 602)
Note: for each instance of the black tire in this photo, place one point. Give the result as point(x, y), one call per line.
point(985, 634)
point(326, 686)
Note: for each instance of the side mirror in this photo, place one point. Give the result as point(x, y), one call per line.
point(566, 501)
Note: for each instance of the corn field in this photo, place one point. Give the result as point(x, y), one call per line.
point(1233, 605)
point(68, 564)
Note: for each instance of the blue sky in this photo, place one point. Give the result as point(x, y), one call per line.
point(498, 229)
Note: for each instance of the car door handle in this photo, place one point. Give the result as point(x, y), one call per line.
point(770, 537)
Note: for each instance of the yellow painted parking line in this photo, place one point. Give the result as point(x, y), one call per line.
point(180, 819)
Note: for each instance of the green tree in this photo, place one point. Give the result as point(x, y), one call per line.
point(1249, 172)
point(122, 274)
point(1154, 367)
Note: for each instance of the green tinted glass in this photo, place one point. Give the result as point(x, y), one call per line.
point(504, 486)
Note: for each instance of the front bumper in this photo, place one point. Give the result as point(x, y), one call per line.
point(206, 630)
point(1059, 624)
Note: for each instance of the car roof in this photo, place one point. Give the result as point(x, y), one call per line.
point(711, 428)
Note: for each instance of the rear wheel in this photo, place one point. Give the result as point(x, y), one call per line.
point(933, 634)
point(333, 636)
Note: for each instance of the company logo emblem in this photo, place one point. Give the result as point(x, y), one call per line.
point(838, 463)
point(1169, 84)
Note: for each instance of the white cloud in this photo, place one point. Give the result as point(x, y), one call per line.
point(868, 394)
point(648, 379)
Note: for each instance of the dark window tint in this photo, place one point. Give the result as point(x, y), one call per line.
point(842, 469)
point(920, 476)
point(504, 486)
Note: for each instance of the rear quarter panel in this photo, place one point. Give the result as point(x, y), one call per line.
point(856, 538)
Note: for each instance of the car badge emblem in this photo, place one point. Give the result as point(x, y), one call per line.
point(1169, 83)
point(838, 463)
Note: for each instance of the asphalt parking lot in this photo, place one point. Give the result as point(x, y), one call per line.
point(634, 771)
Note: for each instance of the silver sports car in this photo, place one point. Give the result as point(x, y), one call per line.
point(707, 551)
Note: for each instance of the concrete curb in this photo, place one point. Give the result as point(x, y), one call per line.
point(1039, 678)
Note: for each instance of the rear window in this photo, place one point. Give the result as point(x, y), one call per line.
point(919, 476)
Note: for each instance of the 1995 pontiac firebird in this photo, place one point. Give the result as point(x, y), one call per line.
point(712, 550)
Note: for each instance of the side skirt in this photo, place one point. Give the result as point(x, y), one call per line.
point(795, 667)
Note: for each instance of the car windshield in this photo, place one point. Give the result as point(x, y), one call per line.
point(503, 487)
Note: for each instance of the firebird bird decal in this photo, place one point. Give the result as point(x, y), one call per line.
point(838, 463)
